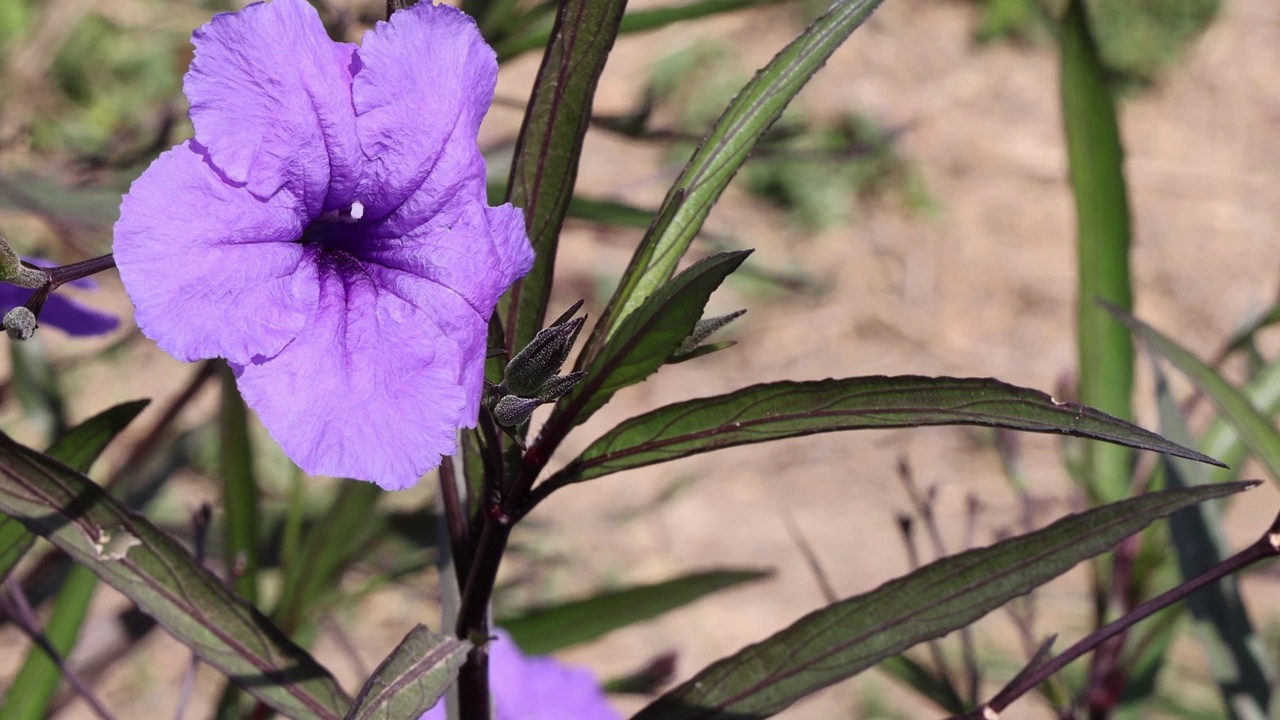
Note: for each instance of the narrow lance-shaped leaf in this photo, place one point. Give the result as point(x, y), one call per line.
point(1236, 654)
point(150, 568)
point(715, 162)
point(33, 687)
point(648, 337)
point(789, 409)
point(239, 488)
point(545, 630)
point(843, 639)
point(1096, 162)
point(78, 448)
point(412, 678)
point(545, 166)
point(1255, 429)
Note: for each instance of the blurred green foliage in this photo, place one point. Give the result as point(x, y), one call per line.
point(1138, 41)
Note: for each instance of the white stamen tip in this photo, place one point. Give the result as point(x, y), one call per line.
point(357, 210)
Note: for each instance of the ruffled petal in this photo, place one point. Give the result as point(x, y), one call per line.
point(469, 249)
point(212, 270)
point(425, 82)
point(370, 389)
point(271, 98)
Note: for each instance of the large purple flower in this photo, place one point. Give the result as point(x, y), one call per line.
point(537, 688)
point(327, 233)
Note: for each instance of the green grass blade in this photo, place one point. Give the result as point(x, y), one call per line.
point(1220, 439)
point(412, 678)
point(1235, 652)
point(847, 637)
point(1257, 432)
point(715, 162)
point(547, 152)
point(239, 488)
point(129, 553)
point(1096, 164)
point(774, 411)
point(33, 687)
point(545, 630)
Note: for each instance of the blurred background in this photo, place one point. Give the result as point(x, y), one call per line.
point(911, 214)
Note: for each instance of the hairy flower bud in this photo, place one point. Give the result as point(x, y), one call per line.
point(540, 361)
point(703, 329)
point(558, 387)
point(511, 410)
point(20, 323)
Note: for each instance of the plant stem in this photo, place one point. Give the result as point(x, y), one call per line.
point(59, 276)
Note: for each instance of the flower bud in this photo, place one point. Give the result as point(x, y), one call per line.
point(541, 359)
point(512, 410)
point(20, 323)
point(558, 387)
point(703, 329)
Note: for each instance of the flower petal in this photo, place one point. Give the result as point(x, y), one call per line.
point(425, 82)
point(212, 270)
point(370, 389)
point(271, 98)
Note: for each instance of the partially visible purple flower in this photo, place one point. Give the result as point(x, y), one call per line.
point(327, 232)
point(537, 688)
point(60, 311)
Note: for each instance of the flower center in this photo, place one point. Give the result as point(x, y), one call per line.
point(337, 229)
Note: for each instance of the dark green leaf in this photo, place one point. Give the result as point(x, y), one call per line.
point(718, 158)
point(1096, 163)
point(412, 678)
point(150, 568)
point(548, 629)
point(788, 409)
point(649, 335)
point(78, 448)
point(545, 167)
point(37, 680)
point(843, 639)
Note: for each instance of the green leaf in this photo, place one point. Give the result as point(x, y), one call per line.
point(724, 150)
point(845, 638)
point(1221, 440)
point(35, 383)
point(33, 687)
point(924, 681)
point(538, 34)
point(1095, 160)
point(1257, 432)
point(78, 448)
point(545, 166)
point(789, 409)
point(649, 336)
point(1235, 653)
point(412, 678)
point(150, 568)
point(548, 629)
point(239, 488)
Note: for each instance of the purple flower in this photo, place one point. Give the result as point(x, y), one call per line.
point(327, 233)
point(60, 311)
point(537, 688)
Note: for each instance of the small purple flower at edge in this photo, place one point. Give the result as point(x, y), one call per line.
point(537, 688)
point(327, 232)
point(72, 317)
